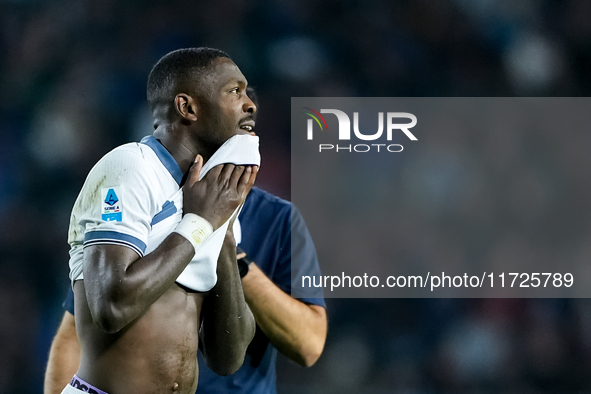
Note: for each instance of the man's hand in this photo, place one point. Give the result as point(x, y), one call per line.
point(219, 193)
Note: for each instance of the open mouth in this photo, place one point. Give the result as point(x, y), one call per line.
point(247, 126)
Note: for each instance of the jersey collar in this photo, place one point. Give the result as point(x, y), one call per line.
point(165, 157)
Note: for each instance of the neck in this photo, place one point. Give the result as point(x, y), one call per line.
point(182, 148)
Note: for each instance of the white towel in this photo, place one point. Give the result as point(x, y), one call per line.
point(200, 274)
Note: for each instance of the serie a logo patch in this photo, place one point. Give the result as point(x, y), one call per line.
point(111, 205)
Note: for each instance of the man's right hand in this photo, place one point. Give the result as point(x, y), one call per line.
point(219, 193)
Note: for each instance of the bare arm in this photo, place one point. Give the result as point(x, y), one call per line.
point(228, 324)
point(128, 284)
point(298, 330)
point(120, 286)
point(64, 357)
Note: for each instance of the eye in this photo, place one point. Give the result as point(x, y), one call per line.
point(235, 90)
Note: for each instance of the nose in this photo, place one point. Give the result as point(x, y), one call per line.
point(249, 106)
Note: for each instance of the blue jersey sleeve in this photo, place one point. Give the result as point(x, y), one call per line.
point(298, 258)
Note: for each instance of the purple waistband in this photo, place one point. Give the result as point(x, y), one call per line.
point(81, 385)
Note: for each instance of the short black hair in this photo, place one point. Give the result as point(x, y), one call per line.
point(175, 70)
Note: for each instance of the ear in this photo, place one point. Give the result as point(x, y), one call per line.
point(186, 107)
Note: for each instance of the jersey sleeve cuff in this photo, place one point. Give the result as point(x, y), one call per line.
point(114, 238)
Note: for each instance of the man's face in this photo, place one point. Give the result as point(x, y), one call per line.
point(226, 110)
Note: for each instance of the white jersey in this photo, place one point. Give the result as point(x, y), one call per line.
point(132, 197)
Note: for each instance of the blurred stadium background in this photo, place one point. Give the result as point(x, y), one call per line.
point(72, 87)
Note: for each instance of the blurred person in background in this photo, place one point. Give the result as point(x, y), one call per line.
point(297, 327)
